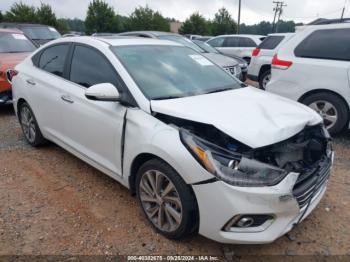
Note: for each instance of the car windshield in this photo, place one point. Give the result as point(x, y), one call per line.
point(207, 48)
point(41, 32)
point(15, 43)
point(182, 40)
point(165, 72)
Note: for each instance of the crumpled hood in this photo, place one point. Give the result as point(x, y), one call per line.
point(251, 116)
point(220, 60)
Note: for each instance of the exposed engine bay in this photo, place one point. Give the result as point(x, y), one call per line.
point(300, 153)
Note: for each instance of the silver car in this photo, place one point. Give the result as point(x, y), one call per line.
point(227, 63)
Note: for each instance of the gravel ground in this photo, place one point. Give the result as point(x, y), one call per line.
point(53, 203)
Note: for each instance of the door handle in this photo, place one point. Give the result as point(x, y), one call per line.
point(67, 99)
point(31, 82)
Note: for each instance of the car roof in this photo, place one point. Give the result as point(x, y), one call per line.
point(281, 34)
point(152, 33)
point(115, 40)
point(326, 26)
point(10, 30)
point(22, 24)
point(245, 35)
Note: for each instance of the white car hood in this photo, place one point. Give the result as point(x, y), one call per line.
point(251, 116)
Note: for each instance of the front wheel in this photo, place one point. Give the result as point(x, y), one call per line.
point(331, 108)
point(166, 200)
point(30, 126)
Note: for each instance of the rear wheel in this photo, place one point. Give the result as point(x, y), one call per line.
point(331, 108)
point(264, 79)
point(30, 126)
point(166, 199)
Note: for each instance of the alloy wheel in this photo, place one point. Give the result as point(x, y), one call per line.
point(160, 200)
point(28, 124)
point(327, 111)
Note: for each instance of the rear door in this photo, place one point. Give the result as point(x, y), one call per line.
point(230, 46)
point(45, 81)
point(92, 128)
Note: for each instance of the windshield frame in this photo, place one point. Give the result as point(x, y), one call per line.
point(206, 47)
point(235, 84)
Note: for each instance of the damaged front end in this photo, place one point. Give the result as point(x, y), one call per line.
point(307, 153)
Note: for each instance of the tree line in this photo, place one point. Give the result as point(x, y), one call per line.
point(101, 17)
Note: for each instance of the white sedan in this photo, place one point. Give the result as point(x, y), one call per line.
point(202, 152)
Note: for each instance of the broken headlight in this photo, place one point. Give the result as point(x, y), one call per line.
point(231, 167)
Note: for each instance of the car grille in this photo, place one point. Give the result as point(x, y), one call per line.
point(308, 184)
point(233, 70)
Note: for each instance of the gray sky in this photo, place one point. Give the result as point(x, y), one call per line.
point(253, 11)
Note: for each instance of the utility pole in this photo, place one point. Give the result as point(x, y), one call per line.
point(239, 16)
point(278, 11)
point(342, 13)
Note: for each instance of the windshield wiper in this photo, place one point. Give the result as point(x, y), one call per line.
point(166, 97)
point(219, 90)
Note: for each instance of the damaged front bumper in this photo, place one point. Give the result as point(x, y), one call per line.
point(276, 208)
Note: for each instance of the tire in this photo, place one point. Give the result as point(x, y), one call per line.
point(29, 125)
point(339, 109)
point(247, 59)
point(185, 203)
point(265, 76)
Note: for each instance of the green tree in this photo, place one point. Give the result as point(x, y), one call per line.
point(62, 26)
point(286, 26)
point(74, 24)
point(223, 23)
point(144, 18)
point(45, 15)
point(195, 24)
point(20, 12)
point(265, 27)
point(1, 16)
point(101, 18)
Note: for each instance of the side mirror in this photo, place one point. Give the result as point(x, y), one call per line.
point(102, 92)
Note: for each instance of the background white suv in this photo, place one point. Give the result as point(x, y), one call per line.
point(260, 64)
point(238, 45)
point(314, 68)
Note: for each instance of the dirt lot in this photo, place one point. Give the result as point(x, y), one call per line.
point(53, 203)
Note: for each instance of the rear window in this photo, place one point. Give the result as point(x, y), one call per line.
point(40, 32)
point(331, 44)
point(271, 42)
point(15, 43)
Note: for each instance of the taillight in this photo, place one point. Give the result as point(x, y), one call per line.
point(280, 64)
point(256, 52)
point(10, 74)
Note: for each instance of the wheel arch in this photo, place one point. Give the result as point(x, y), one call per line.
point(316, 91)
point(263, 69)
point(137, 162)
point(19, 103)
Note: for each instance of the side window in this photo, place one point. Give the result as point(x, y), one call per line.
point(246, 42)
point(326, 44)
point(53, 59)
point(89, 67)
point(216, 42)
point(232, 42)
